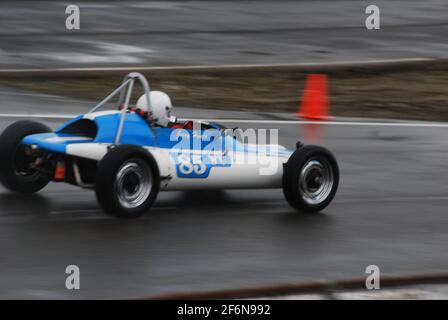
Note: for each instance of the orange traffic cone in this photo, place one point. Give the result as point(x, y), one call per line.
point(314, 104)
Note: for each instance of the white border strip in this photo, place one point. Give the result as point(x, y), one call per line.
point(336, 123)
point(219, 66)
point(328, 123)
point(37, 116)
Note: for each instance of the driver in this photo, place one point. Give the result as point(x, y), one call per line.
point(161, 107)
point(161, 110)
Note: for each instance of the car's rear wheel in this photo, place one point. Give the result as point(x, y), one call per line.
point(310, 178)
point(127, 181)
point(16, 172)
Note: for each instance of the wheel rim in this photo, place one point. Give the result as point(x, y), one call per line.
point(316, 181)
point(133, 184)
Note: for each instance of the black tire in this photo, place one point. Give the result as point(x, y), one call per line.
point(11, 155)
point(310, 168)
point(123, 168)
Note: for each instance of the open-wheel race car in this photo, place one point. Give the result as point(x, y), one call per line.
point(129, 154)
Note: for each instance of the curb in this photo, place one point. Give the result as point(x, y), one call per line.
point(305, 288)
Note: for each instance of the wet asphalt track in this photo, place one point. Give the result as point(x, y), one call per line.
point(135, 33)
point(390, 211)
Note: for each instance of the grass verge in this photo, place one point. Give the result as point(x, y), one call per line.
point(404, 91)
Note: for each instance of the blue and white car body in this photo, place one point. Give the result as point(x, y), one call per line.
point(128, 159)
point(196, 168)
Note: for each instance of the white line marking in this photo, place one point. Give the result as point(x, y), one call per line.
point(328, 123)
point(28, 94)
point(336, 123)
point(219, 66)
point(42, 95)
point(37, 116)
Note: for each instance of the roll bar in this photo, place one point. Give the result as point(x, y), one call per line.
point(125, 91)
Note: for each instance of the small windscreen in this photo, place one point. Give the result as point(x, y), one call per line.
point(82, 127)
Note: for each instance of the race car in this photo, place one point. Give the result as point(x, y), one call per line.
point(130, 153)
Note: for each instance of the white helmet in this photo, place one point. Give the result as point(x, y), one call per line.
point(160, 106)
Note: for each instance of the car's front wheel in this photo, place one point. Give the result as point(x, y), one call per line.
point(127, 181)
point(310, 178)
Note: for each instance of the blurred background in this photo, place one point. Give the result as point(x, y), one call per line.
point(117, 33)
point(247, 61)
point(286, 39)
